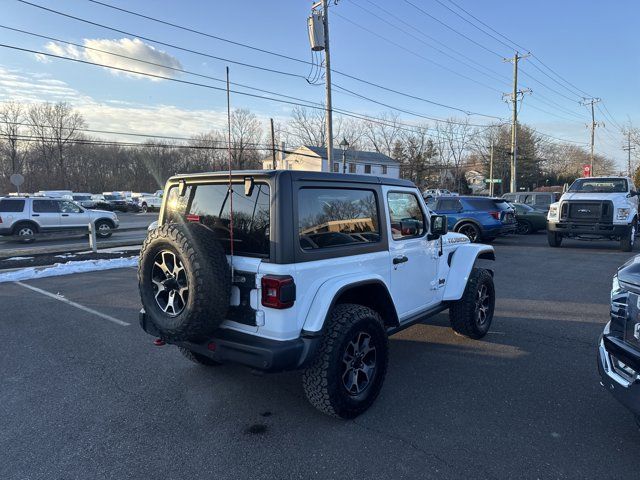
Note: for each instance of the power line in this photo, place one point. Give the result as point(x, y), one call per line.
point(489, 75)
point(418, 55)
point(188, 50)
point(199, 32)
point(484, 47)
point(175, 69)
point(581, 92)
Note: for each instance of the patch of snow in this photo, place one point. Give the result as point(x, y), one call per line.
point(112, 250)
point(66, 255)
point(16, 259)
point(69, 268)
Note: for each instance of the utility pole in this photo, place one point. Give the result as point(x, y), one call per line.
point(594, 124)
point(491, 171)
point(513, 96)
point(327, 82)
point(628, 149)
point(273, 146)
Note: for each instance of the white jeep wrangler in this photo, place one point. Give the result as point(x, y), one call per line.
point(324, 267)
point(596, 207)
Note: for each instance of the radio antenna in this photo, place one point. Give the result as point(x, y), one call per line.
point(230, 187)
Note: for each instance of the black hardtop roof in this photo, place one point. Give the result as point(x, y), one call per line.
point(295, 175)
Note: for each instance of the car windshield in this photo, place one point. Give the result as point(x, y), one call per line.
point(82, 197)
point(599, 185)
point(113, 197)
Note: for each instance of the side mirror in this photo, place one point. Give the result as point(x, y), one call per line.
point(439, 226)
point(632, 193)
point(565, 187)
point(248, 186)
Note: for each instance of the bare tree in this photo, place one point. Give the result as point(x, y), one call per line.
point(454, 138)
point(246, 135)
point(56, 126)
point(383, 132)
point(12, 117)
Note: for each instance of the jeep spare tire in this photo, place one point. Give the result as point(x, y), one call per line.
point(184, 281)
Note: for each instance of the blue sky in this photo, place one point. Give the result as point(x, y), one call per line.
point(589, 43)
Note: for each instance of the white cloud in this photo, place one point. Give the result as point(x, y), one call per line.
point(125, 47)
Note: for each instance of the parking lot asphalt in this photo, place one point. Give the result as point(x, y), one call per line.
point(83, 396)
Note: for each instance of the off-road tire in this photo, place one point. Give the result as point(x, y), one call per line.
point(198, 358)
point(208, 278)
point(322, 380)
point(463, 313)
point(627, 242)
point(554, 239)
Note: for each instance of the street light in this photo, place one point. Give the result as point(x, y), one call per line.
point(344, 145)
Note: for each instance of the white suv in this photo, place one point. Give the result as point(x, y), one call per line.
point(596, 207)
point(324, 267)
point(25, 217)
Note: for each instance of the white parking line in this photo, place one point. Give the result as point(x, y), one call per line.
point(74, 304)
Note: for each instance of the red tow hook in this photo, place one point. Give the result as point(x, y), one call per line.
point(158, 342)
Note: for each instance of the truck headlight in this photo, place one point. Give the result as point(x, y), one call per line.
point(553, 212)
point(623, 213)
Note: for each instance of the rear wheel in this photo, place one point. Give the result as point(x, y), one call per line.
point(25, 232)
point(471, 231)
point(554, 239)
point(145, 208)
point(627, 242)
point(349, 369)
point(524, 227)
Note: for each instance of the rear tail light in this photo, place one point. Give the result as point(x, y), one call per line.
point(278, 291)
point(495, 215)
point(0, 219)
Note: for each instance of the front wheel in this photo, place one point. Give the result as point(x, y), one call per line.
point(627, 241)
point(145, 208)
point(25, 232)
point(554, 239)
point(471, 316)
point(348, 372)
point(103, 229)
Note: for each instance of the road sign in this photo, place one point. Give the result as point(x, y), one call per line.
point(494, 180)
point(586, 170)
point(16, 179)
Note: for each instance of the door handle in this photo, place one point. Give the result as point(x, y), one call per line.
point(65, 214)
point(35, 215)
point(400, 259)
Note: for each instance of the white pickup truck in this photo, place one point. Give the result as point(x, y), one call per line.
point(149, 202)
point(596, 207)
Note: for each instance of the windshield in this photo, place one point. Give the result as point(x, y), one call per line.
point(113, 197)
point(599, 185)
point(82, 197)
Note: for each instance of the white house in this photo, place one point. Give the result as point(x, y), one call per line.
point(315, 159)
point(476, 182)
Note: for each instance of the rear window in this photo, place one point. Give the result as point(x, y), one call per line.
point(336, 217)
point(488, 204)
point(14, 206)
point(211, 206)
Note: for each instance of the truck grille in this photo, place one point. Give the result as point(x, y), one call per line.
point(587, 211)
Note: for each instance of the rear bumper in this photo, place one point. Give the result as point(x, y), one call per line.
point(499, 230)
point(582, 228)
point(624, 388)
point(231, 346)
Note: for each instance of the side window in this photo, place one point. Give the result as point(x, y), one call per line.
point(331, 217)
point(544, 200)
point(406, 217)
point(69, 207)
point(45, 206)
point(527, 199)
point(11, 206)
point(367, 169)
point(336, 167)
point(352, 168)
point(449, 205)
